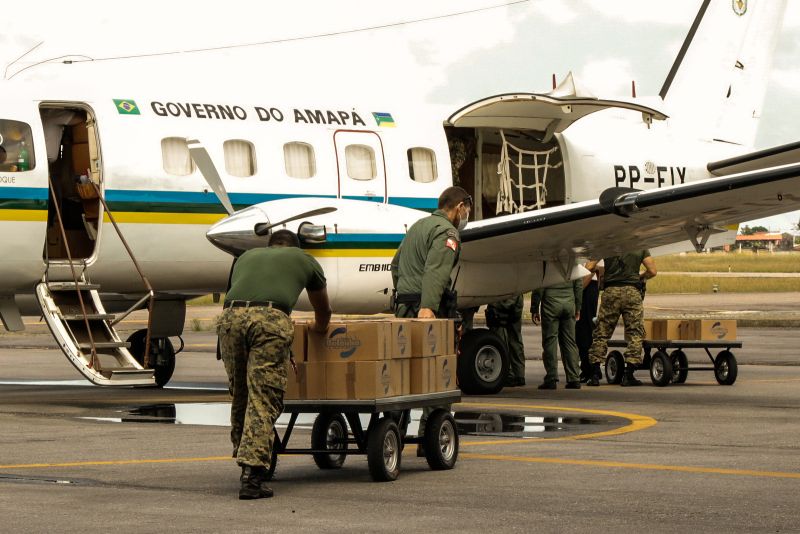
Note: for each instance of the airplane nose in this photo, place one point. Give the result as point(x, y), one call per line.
point(236, 233)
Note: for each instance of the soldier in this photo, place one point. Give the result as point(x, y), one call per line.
point(423, 262)
point(504, 318)
point(622, 295)
point(255, 334)
point(560, 307)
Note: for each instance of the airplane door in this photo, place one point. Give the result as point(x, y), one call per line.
point(361, 166)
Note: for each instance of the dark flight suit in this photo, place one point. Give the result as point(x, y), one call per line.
point(559, 303)
point(504, 318)
point(421, 270)
point(585, 326)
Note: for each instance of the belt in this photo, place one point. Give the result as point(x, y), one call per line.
point(256, 304)
point(408, 298)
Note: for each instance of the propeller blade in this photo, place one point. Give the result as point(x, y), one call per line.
point(264, 228)
point(203, 162)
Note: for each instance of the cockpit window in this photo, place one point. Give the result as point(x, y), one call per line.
point(16, 147)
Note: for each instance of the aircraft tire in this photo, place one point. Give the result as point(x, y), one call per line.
point(725, 368)
point(329, 432)
point(163, 372)
point(441, 441)
point(482, 362)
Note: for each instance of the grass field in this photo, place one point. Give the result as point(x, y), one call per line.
point(746, 262)
point(666, 283)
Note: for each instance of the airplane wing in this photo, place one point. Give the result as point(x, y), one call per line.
point(625, 219)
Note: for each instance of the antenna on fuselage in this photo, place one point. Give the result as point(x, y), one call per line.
point(31, 49)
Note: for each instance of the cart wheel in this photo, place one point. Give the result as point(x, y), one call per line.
point(329, 432)
point(273, 462)
point(660, 369)
point(725, 368)
point(383, 451)
point(615, 367)
point(441, 441)
point(680, 366)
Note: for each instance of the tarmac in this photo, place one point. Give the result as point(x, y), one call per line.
point(696, 456)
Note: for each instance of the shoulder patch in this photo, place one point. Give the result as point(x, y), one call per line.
point(452, 233)
point(451, 244)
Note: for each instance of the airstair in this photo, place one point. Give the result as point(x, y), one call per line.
point(73, 311)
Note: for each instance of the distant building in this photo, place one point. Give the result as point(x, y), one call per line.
point(763, 240)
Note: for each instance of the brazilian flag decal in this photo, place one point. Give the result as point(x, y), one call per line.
point(384, 119)
point(126, 107)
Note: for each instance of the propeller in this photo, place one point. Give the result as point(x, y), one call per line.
point(203, 162)
point(263, 229)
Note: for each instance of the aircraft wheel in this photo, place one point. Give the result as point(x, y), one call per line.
point(383, 451)
point(162, 355)
point(725, 368)
point(615, 367)
point(680, 366)
point(329, 432)
point(660, 369)
point(482, 362)
point(441, 440)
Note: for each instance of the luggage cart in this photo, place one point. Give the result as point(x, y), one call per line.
point(382, 441)
point(674, 367)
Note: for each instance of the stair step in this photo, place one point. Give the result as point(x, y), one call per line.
point(90, 316)
point(70, 286)
point(104, 345)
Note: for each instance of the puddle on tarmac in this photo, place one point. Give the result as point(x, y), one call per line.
point(469, 423)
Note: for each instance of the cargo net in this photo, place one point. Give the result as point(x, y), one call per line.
point(522, 170)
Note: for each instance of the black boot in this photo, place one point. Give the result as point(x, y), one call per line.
point(596, 375)
point(254, 483)
point(628, 379)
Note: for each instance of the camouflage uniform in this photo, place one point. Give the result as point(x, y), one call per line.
point(621, 296)
point(255, 343)
point(504, 318)
point(458, 155)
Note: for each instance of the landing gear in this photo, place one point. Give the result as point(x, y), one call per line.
point(482, 362)
point(162, 355)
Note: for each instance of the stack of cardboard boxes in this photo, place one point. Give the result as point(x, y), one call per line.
point(690, 329)
point(373, 359)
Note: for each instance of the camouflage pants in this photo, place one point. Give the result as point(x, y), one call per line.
point(616, 301)
point(254, 343)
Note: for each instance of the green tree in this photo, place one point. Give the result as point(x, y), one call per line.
point(746, 230)
point(759, 230)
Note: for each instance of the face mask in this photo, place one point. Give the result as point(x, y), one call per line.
point(462, 221)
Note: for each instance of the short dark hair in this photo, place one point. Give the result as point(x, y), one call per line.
point(284, 238)
point(452, 196)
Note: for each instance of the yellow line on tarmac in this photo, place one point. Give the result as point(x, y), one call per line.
point(650, 467)
point(637, 422)
point(118, 462)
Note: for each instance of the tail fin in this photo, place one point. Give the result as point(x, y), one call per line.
point(719, 78)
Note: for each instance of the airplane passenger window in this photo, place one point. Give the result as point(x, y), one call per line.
point(16, 147)
point(360, 162)
point(298, 158)
point(175, 156)
point(240, 158)
point(422, 164)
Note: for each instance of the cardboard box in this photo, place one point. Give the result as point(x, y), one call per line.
point(295, 382)
point(450, 337)
point(349, 341)
point(299, 342)
point(648, 329)
point(405, 376)
point(671, 329)
point(713, 329)
point(307, 383)
point(423, 375)
point(363, 379)
point(399, 339)
point(445, 373)
point(428, 337)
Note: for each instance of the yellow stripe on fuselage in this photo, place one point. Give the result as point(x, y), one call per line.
point(23, 215)
point(352, 253)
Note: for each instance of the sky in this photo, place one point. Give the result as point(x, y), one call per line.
point(450, 60)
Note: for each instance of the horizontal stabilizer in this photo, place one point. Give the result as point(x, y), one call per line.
point(754, 161)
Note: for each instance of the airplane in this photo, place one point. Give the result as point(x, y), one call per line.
point(114, 202)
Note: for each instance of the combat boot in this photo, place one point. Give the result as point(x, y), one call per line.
point(628, 379)
point(254, 483)
point(596, 375)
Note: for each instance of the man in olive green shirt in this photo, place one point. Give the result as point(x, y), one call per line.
point(622, 295)
point(255, 334)
point(422, 265)
point(557, 307)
